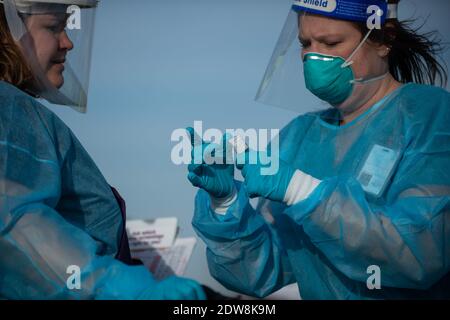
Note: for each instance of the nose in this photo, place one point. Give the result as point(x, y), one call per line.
point(306, 51)
point(64, 42)
point(314, 47)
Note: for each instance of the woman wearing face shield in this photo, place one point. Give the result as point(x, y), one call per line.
point(58, 215)
point(360, 205)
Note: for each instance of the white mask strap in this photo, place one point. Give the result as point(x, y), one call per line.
point(364, 81)
point(348, 62)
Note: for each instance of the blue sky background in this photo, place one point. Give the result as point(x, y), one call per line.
point(159, 65)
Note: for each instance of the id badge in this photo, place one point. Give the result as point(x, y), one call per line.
point(378, 169)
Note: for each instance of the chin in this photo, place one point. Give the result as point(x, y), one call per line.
point(57, 81)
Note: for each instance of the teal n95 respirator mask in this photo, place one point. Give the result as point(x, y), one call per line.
point(331, 78)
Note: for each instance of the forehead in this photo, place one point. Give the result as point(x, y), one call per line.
point(317, 26)
point(48, 17)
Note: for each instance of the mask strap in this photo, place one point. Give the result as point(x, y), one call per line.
point(348, 62)
point(364, 81)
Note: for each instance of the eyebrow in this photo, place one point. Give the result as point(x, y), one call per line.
point(321, 37)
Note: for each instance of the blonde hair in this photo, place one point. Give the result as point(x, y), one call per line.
point(13, 66)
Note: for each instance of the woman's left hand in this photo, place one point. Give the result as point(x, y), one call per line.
point(262, 179)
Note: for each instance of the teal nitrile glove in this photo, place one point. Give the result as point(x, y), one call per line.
point(174, 288)
point(259, 183)
point(217, 179)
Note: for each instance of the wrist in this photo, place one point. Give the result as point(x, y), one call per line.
point(221, 205)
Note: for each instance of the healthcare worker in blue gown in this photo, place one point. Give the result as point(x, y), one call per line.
point(360, 205)
point(58, 215)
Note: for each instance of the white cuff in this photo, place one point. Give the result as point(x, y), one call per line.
point(300, 187)
point(221, 205)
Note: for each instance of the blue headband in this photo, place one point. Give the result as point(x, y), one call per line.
point(354, 10)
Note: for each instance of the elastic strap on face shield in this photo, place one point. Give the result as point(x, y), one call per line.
point(40, 8)
point(392, 12)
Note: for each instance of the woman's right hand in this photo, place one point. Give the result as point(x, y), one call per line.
point(215, 178)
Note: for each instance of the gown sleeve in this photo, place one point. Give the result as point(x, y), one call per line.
point(243, 251)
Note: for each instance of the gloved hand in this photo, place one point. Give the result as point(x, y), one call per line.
point(272, 187)
point(174, 288)
point(217, 179)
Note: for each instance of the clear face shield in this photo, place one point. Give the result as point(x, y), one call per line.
point(55, 37)
point(296, 71)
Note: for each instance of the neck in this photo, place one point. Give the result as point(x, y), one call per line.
point(387, 85)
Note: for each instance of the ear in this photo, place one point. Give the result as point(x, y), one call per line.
point(382, 50)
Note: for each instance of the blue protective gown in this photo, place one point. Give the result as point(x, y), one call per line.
point(56, 210)
point(396, 216)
